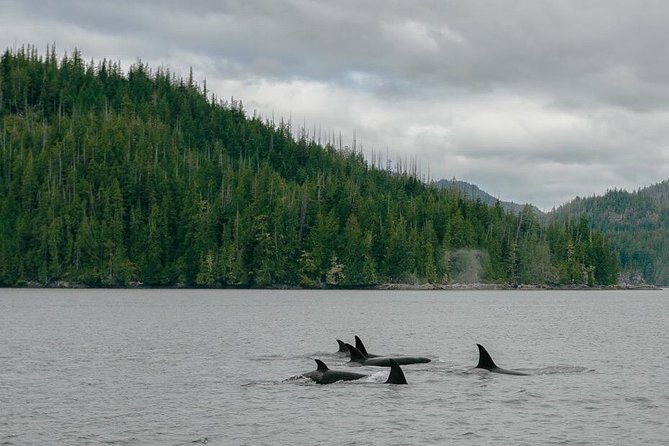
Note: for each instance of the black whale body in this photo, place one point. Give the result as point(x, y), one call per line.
point(383, 361)
point(360, 346)
point(486, 363)
point(342, 346)
point(324, 375)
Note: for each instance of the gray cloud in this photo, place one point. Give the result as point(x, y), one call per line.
point(536, 101)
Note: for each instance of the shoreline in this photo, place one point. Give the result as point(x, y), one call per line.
point(504, 287)
point(380, 287)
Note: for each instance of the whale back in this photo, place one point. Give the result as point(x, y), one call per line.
point(356, 355)
point(321, 366)
point(396, 374)
point(360, 346)
point(342, 347)
point(485, 360)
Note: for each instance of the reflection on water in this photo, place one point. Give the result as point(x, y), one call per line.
point(224, 367)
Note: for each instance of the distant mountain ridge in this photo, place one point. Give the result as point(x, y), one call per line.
point(474, 192)
point(635, 223)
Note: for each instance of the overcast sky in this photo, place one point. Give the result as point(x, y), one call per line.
point(533, 101)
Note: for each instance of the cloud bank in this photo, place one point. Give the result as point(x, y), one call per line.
point(533, 101)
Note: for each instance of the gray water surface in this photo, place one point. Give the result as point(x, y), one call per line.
point(221, 367)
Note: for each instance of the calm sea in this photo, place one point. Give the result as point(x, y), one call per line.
point(182, 367)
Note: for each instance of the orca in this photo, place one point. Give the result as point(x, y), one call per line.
point(360, 346)
point(382, 361)
point(323, 375)
point(342, 347)
point(396, 375)
point(486, 363)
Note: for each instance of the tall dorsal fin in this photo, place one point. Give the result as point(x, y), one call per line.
point(360, 346)
point(396, 374)
point(342, 346)
point(356, 355)
point(485, 361)
point(321, 366)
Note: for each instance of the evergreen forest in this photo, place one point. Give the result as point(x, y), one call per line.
point(637, 225)
point(112, 177)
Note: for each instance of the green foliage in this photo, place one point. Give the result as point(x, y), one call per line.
point(635, 225)
point(111, 179)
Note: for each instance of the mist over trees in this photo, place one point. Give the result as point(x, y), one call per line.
point(113, 178)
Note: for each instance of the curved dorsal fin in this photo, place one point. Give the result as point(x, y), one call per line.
point(360, 346)
point(321, 365)
point(396, 374)
point(485, 361)
point(356, 355)
point(342, 346)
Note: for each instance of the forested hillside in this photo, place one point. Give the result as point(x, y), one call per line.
point(636, 223)
point(113, 178)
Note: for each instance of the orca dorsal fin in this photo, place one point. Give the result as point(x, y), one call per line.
point(342, 346)
point(396, 374)
point(321, 366)
point(360, 346)
point(356, 355)
point(485, 361)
